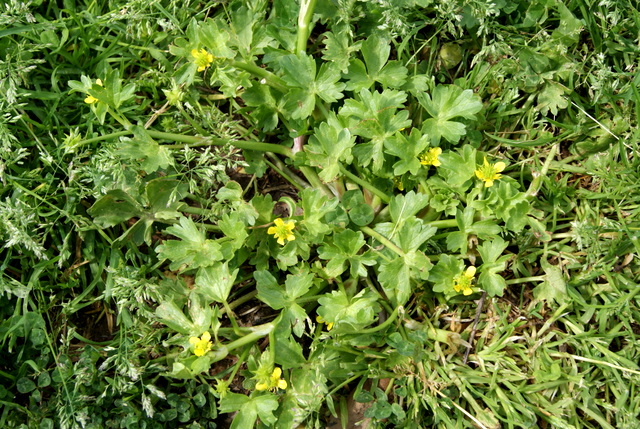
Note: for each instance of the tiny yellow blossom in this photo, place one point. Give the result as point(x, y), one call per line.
point(282, 230)
point(202, 58)
point(90, 98)
point(201, 345)
point(490, 172)
point(273, 382)
point(462, 282)
point(319, 319)
point(430, 157)
point(397, 182)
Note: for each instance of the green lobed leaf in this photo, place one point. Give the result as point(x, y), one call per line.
point(344, 249)
point(315, 206)
point(172, 316)
point(405, 206)
point(348, 314)
point(192, 250)
point(330, 144)
point(249, 409)
point(144, 149)
point(215, 281)
point(446, 103)
point(492, 263)
point(408, 150)
point(553, 98)
point(458, 167)
point(554, 287)
point(339, 46)
point(375, 51)
point(375, 117)
point(113, 208)
point(443, 273)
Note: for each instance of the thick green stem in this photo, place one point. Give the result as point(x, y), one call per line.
point(384, 197)
point(121, 119)
point(258, 332)
point(197, 141)
point(194, 141)
point(382, 239)
point(304, 19)
point(313, 178)
point(392, 317)
point(269, 78)
point(526, 280)
point(283, 171)
point(445, 223)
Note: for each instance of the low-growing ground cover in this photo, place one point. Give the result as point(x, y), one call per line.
point(319, 214)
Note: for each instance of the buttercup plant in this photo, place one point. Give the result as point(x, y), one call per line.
point(345, 161)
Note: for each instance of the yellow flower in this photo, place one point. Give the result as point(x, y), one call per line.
point(397, 182)
point(201, 345)
point(90, 98)
point(282, 230)
point(273, 382)
point(430, 157)
point(319, 319)
point(202, 58)
point(490, 172)
point(462, 282)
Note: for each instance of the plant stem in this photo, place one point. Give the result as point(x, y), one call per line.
point(392, 317)
point(229, 312)
point(526, 280)
point(444, 223)
point(283, 171)
point(304, 19)
point(384, 197)
point(270, 79)
point(536, 184)
point(382, 239)
point(197, 141)
point(258, 332)
point(313, 178)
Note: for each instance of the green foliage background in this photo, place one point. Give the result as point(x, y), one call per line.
point(139, 221)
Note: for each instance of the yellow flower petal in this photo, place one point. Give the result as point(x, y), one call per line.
point(201, 58)
point(471, 272)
